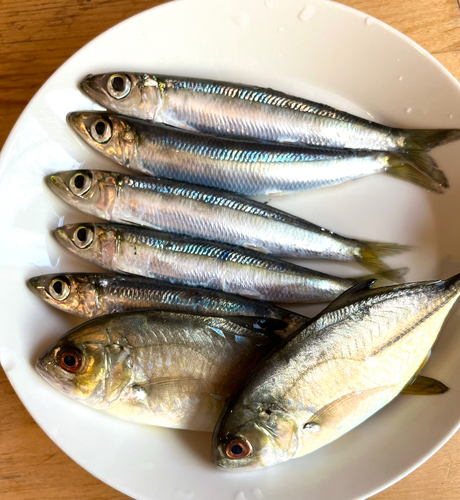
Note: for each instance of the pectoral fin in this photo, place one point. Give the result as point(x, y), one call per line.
point(424, 386)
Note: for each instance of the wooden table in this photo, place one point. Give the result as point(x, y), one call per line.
point(36, 37)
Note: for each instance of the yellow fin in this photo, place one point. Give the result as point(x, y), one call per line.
point(424, 386)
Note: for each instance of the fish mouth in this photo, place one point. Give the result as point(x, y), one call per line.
point(56, 183)
point(63, 235)
point(88, 85)
point(86, 82)
point(41, 365)
point(80, 123)
point(37, 286)
point(95, 86)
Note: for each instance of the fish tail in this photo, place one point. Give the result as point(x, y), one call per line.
point(425, 165)
point(372, 253)
point(401, 169)
point(384, 277)
point(424, 140)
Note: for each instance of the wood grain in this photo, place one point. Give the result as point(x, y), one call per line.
point(36, 37)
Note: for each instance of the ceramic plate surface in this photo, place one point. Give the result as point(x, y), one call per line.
point(311, 48)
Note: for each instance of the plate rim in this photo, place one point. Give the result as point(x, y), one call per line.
point(17, 125)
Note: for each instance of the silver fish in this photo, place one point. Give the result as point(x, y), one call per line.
point(207, 213)
point(162, 368)
point(242, 167)
point(265, 114)
point(191, 261)
point(93, 295)
point(153, 367)
point(325, 380)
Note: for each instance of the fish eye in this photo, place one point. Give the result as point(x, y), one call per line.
point(101, 130)
point(119, 86)
point(83, 237)
point(70, 360)
point(59, 288)
point(80, 183)
point(238, 448)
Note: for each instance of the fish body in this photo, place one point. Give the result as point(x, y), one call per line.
point(154, 367)
point(239, 110)
point(352, 360)
point(195, 262)
point(207, 213)
point(243, 167)
point(93, 295)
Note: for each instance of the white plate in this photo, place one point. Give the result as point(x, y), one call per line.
point(311, 48)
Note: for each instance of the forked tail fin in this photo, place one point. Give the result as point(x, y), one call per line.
point(436, 179)
point(384, 277)
point(372, 254)
point(424, 140)
point(400, 168)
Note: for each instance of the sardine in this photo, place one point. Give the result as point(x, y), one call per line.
point(93, 295)
point(325, 380)
point(211, 214)
point(195, 262)
point(241, 167)
point(240, 110)
point(154, 367)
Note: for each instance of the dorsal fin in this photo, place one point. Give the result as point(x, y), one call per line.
point(349, 295)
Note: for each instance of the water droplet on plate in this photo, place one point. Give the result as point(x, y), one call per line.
point(257, 494)
point(398, 60)
point(369, 20)
point(409, 110)
point(281, 29)
point(7, 359)
point(269, 4)
point(306, 13)
point(451, 116)
point(401, 78)
point(241, 19)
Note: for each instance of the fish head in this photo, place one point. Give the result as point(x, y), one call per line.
point(97, 243)
point(109, 134)
point(131, 94)
point(252, 436)
point(91, 191)
point(91, 364)
point(72, 293)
